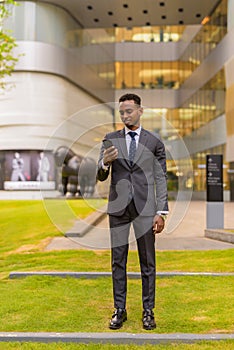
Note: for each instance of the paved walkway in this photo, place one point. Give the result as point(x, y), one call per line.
point(185, 228)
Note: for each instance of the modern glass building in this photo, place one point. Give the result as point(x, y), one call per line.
point(79, 55)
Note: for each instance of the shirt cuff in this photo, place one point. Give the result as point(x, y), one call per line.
point(162, 212)
point(105, 167)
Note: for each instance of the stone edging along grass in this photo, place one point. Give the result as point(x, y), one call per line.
point(220, 235)
point(112, 337)
point(93, 275)
point(81, 227)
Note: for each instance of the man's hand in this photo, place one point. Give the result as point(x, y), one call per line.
point(158, 224)
point(109, 155)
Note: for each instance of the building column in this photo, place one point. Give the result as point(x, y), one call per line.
point(229, 75)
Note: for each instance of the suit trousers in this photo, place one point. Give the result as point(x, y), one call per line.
point(145, 237)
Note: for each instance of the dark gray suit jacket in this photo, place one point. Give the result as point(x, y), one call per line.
point(145, 181)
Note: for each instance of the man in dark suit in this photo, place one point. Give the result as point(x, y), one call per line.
point(136, 160)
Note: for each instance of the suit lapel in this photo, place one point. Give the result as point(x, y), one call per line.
point(122, 146)
point(141, 145)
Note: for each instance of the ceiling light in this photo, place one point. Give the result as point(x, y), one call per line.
point(203, 107)
point(205, 20)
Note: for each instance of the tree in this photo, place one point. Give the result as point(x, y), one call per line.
point(7, 43)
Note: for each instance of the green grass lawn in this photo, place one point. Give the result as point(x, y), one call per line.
point(184, 304)
point(220, 345)
point(82, 260)
point(28, 223)
point(51, 304)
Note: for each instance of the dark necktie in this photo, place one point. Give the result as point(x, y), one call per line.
point(132, 147)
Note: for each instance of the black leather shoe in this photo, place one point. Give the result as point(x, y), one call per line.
point(148, 320)
point(118, 317)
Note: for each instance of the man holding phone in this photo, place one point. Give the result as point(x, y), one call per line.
point(136, 159)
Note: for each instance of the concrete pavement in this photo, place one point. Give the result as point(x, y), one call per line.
point(184, 230)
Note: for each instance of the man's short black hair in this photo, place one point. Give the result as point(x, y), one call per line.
point(129, 97)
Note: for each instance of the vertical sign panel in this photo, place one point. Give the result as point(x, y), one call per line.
point(214, 177)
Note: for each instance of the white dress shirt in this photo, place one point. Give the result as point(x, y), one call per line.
point(128, 137)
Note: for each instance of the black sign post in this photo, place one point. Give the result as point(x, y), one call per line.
point(214, 191)
point(214, 178)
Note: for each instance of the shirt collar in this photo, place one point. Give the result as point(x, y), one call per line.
point(138, 130)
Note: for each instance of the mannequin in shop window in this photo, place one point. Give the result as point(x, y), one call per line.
point(17, 168)
point(43, 168)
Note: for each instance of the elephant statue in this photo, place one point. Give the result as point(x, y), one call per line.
point(78, 173)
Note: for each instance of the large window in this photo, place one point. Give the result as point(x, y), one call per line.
point(212, 32)
point(149, 34)
point(205, 105)
point(151, 75)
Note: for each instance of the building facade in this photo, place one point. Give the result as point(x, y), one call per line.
point(78, 57)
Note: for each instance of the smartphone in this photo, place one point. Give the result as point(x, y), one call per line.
point(107, 143)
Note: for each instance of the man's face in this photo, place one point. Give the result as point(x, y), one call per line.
point(130, 114)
